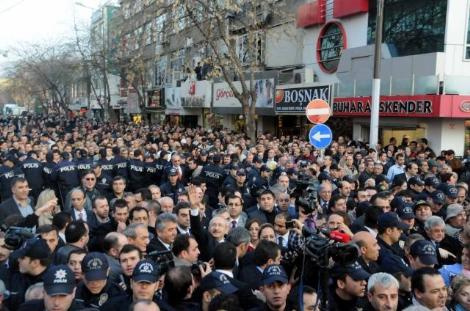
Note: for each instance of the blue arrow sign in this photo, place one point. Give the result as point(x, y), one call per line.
point(320, 136)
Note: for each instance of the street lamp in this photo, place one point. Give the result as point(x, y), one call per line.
point(375, 105)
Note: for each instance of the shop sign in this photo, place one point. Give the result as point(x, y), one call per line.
point(409, 106)
point(264, 88)
point(195, 94)
point(465, 106)
point(172, 100)
point(295, 98)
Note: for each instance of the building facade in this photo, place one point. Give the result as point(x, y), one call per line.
point(424, 72)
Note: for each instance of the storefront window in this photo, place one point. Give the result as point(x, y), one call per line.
point(331, 45)
point(411, 27)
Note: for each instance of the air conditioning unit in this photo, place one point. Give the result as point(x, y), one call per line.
point(304, 75)
point(297, 76)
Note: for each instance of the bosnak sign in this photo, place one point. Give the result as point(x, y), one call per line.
point(292, 99)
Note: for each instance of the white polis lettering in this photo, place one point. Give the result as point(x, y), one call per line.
point(107, 167)
point(137, 168)
point(67, 169)
point(30, 165)
point(213, 174)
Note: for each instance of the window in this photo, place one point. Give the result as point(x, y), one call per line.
point(248, 52)
point(148, 33)
point(411, 27)
point(160, 71)
point(330, 46)
point(177, 65)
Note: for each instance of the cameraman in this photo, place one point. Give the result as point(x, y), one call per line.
point(348, 286)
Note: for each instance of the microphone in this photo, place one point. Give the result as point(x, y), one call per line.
point(336, 235)
point(339, 236)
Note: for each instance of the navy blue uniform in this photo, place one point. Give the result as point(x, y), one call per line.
point(171, 191)
point(107, 168)
point(160, 166)
point(120, 166)
point(151, 173)
point(32, 169)
point(66, 176)
point(213, 175)
point(84, 165)
point(136, 174)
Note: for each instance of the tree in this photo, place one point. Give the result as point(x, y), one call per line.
point(46, 73)
point(135, 56)
point(233, 32)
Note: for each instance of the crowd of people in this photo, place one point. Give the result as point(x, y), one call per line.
point(117, 216)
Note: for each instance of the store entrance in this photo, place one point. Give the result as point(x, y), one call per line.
point(412, 133)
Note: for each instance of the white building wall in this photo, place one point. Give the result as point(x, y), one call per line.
point(284, 46)
point(455, 38)
point(355, 28)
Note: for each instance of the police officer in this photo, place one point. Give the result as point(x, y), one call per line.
point(33, 172)
point(59, 292)
point(150, 169)
point(172, 187)
point(231, 181)
point(84, 162)
point(96, 288)
point(120, 163)
point(66, 176)
point(135, 171)
point(48, 169)
point(160, 166)
point(213, 174)
point(144, 283)
point(106, 162)
point(8, 171)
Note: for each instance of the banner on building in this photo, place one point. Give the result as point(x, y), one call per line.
point(265, 88)
point(195, 94)
point(292, 99)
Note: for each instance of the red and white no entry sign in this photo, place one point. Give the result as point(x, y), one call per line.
point(317, 111)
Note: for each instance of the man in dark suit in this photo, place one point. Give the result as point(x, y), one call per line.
point(20, 204)
point(208, 239)
point(166, 233)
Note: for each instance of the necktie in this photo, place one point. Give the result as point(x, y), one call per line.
point(280, 241)
point(234, 223)
point(81, 216)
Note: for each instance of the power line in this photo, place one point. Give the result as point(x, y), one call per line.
point(12, 6)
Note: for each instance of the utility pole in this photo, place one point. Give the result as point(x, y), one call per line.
point(375, 105)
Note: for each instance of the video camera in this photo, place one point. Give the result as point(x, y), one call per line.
point(319, 247)
point(16, 236)
point(163, 259)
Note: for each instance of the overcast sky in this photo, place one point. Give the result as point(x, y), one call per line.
point(35, 21)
